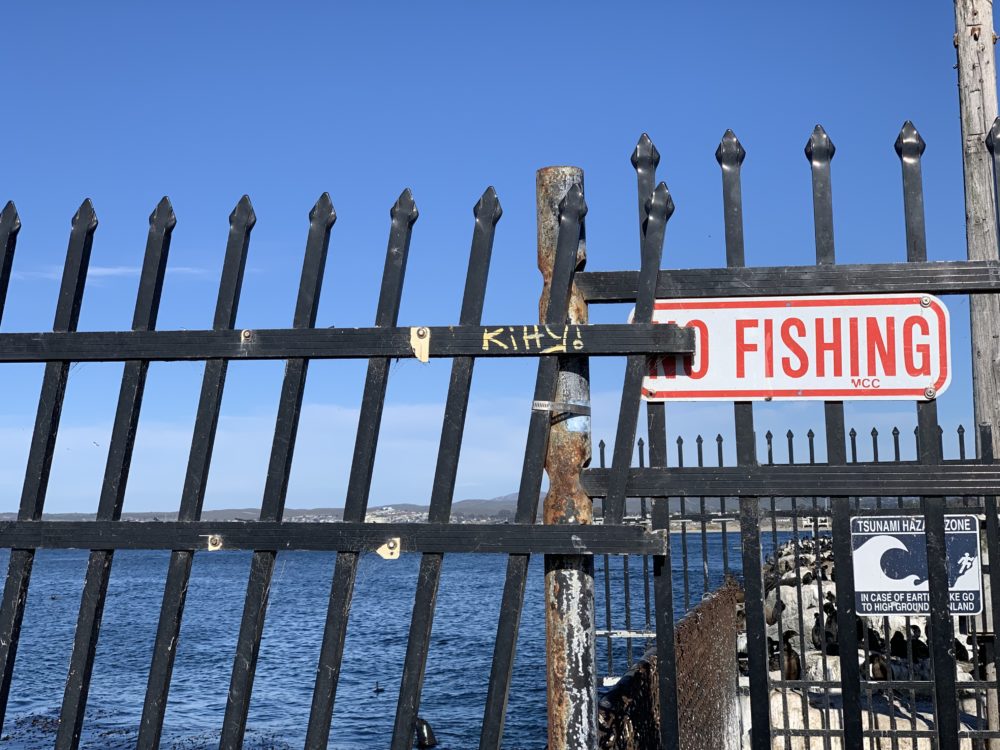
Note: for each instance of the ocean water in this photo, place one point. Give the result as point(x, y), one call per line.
point(457, 669)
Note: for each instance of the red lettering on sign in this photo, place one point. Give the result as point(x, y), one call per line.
point(886, 346)
point(768, 348)
point(833, 346)
point(702, 344)
point(852, 327)
point(793, 346)
point(909, 348)
point(743, 346)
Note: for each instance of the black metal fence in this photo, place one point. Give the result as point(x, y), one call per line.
point(830, 488)
point(553, 339)
point(827, 488)
point(803, 673)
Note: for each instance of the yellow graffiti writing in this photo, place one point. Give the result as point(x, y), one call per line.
point(539, 339)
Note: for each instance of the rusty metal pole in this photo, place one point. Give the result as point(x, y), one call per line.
point(569, 579)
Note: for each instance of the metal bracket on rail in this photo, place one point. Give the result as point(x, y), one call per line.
point(560, 407)
point(389, 550)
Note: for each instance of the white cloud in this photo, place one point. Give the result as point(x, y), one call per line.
point(54, 273)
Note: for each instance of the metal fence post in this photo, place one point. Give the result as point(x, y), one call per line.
point(569, 580)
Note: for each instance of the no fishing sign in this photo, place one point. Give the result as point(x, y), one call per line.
point(830, 347)
point(890, 565)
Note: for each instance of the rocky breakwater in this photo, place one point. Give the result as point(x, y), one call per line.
point(805, 646)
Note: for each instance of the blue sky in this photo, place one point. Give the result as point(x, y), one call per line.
point(126, 102)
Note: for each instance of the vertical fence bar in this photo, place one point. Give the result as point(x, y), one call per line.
point(648, 622)
point(705, 585)
point(43, 438)
point(403, 214)
point(487, 213)
point(661, 207)
point(820, 151)
point(730, 156)
point(572, 209)
point(909, 147)
point(161, 224)
point(723, 509)
point(609, 642)
point(10, 225)
point(241, 222)
point(645, 159)
point(686, 576)
point(321, 220)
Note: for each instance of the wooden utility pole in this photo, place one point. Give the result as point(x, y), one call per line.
point(977, 96)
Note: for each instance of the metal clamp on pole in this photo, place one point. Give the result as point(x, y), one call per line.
point(560, 407)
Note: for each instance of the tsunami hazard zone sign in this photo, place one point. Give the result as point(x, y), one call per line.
point(889, 556)
point(832, 347)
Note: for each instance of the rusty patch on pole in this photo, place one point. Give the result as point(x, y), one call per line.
point(569, 580)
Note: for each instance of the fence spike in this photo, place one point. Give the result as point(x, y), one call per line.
point(323, 210)
point(10, 225)
point(874, 432)
point(789, 435)
point(404, 209)
point(853, 433)
point(640, 443)
point(660, 196)
point(85, 215)
point(699, 440)
point(730, 151)
point(645, 155)
point(10, 222)
point(163, 215)
point(810, 434)
point(488, 207)
point(573, 206)
point(243, 213)
point(819, 147)
point(909, 143)
point(768, 435)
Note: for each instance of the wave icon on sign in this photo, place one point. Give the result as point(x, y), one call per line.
point(868, 558)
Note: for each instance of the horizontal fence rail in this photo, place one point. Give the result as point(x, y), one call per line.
point(937, 277)
point(341, 537)
point(601, 340)
point(804, 481)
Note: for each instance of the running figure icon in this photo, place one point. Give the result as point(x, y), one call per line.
point(965, 563)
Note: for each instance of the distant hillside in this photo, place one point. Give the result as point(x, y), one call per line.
point(502, 507)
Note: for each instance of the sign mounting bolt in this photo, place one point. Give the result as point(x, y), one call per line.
point(421, 332)
point(247, 333)
point(925, 301)
point(930, 392)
